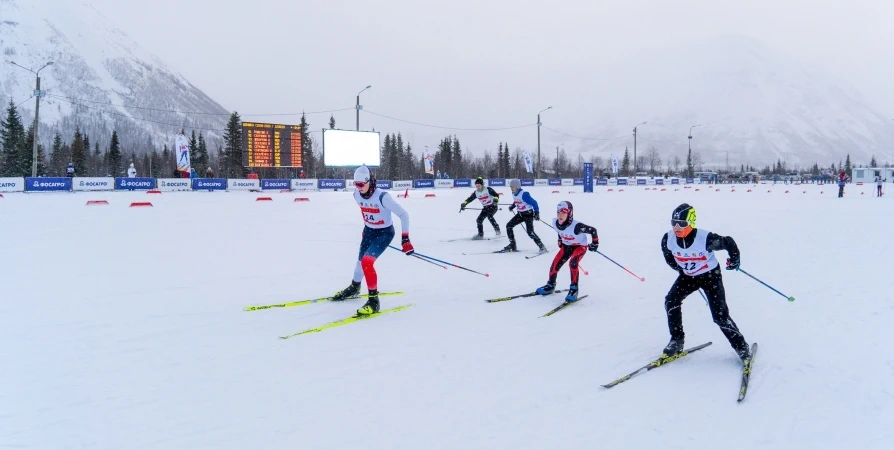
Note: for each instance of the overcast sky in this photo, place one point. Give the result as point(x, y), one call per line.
point(479, 64)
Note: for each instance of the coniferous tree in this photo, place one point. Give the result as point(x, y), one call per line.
point(625, 163)
point(500, 159)
point(145, 166)
point(394, 159)
point(201, 161)
point(232, 150)
point(96, 169)
point(193, 149)
point(506, 165)
point(307, 151)
point(12, 134)
point(331, 122)
point(847, 165)
point(86, 172)
point(114, 156)
point(873, 163)
point(57, 157)
point(164, 169)
point(79, 154)
point(457, 155)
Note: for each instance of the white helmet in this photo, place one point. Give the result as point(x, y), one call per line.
point(362, 174)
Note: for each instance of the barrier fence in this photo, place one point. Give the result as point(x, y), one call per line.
point(63, 184)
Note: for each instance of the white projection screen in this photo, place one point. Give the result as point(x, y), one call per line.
point(345, 148)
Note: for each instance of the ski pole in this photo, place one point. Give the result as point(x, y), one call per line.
point(625, 269)
point(583, 270)
point(791, 299)
point(704, 297)
point(423, 259)
point(478, 209)
point(419, 255)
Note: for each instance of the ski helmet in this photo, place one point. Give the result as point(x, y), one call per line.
point(514, 183)
point(480, 181)
point(566, 207)
point(683, 220)
point(363, 176)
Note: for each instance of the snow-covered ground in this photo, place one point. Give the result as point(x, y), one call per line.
point(123, 328)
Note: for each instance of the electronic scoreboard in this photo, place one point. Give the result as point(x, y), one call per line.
point(271, 145)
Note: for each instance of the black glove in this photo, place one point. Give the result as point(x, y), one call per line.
point(732, 263)
point(462, 207)
point(536, 215)
point(594, 245)
point(512, 207)
point(561, 244)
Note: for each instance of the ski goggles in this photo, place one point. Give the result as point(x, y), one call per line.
point(563, 207)
point(360, 184)
point(676, 223)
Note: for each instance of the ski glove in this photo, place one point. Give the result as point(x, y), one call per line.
point(407, 247)
point(536, 215)
point(732, 263)
point(560, 244)
point(462, 207)
point(512, 207)
point(594, 245)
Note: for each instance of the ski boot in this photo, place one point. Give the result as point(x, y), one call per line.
point(673, 347)
point(572, 294)
point(372, 304)
point(497, 231)
point(541, 247)
point(509, 248)
point(478, 237)
point(546, 289)
point(349, 292)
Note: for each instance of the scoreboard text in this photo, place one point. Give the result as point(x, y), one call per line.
point(271, 145)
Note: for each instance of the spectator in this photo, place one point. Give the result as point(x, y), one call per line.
point(209, 173)
point(131, 171)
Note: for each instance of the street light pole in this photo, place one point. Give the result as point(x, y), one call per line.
point(537, 169)
point(38, 94)
point(634, 148)
point(358, 106)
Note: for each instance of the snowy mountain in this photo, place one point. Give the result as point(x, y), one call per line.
point(101, 80)
point(755, 104)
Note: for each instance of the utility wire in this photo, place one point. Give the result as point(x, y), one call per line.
point(449, 128)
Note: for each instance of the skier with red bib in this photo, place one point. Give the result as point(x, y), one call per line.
point(573, 245)
point(376, 207)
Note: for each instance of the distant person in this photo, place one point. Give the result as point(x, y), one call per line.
point(131, 171)
point(528, 212)
point(209, 173)
point(70, 170)
point(489, 199)
point(878, 185)
point(193, 173)
point(842, 179)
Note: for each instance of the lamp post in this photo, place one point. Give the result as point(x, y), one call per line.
point(690, 136)
point(358, 106)
point(634, 148)
point(537, 169)
point(38, 94)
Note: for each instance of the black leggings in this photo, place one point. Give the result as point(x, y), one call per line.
point(487, 213)
point(712, 283)
point(527, 218)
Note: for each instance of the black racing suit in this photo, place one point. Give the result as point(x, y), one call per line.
point(487, 212)
point(710, 282)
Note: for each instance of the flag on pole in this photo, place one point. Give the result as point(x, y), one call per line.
point(529, 163)
point(614, 164)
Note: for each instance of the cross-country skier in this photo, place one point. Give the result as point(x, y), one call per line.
point(878, 185)
point(528, 212)
point(376, 208)
point(489, 199)
point(573, 245)
point(690, 252)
